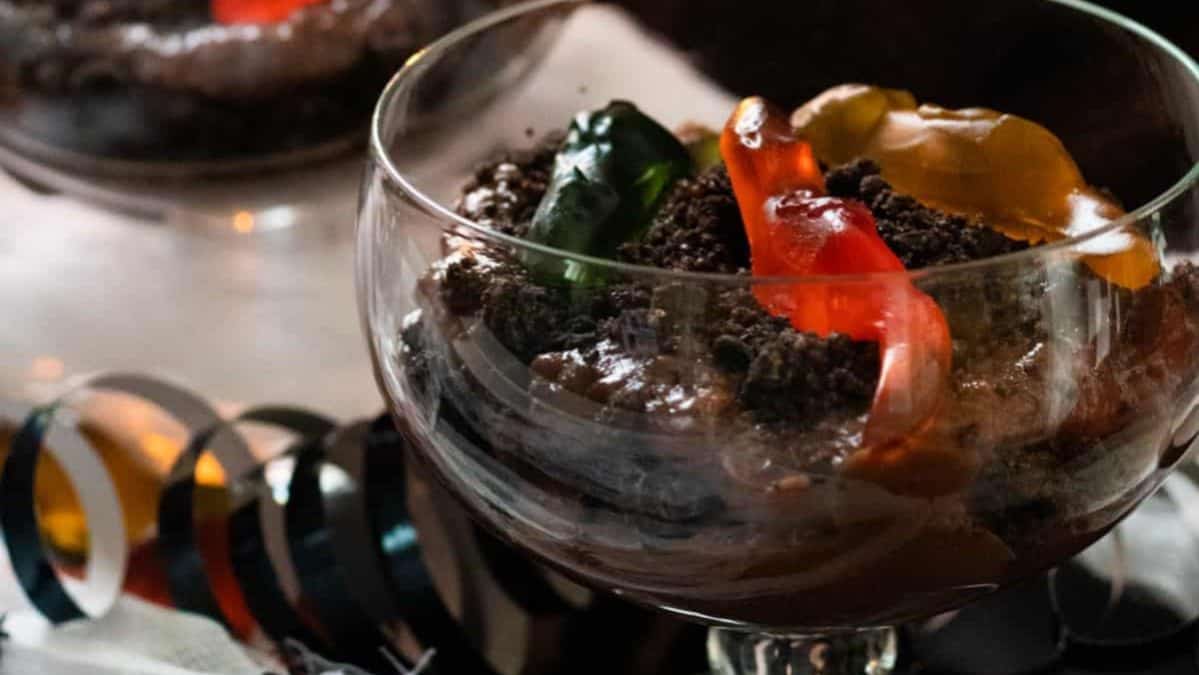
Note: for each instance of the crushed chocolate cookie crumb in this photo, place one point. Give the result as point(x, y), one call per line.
point(698, 229)
point(526, 318)
point(504, 193)
point(531, 319)
point(465, 282)
point(920, 236)
point(105, 12)
point(799, 376)
point(619, 298)
point(788, 374)
point(732, 353)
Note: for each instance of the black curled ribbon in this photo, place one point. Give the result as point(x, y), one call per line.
point(346, 530)
point(355, 635)
point(188, 581)
point(18, 516)
point(22, 540)
point(385, 490)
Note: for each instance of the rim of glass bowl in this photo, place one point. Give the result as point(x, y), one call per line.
point(404, 79)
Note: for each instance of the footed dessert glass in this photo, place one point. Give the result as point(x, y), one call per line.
point(621, 432)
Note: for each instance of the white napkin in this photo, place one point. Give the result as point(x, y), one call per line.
point(135, 638)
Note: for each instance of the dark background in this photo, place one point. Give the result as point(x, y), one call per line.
point(1178, 20)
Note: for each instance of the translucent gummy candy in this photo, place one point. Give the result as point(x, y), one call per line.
point(1011, 173)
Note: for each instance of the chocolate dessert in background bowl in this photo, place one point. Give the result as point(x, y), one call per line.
point(197, 87)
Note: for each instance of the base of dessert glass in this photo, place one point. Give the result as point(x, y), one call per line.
point(868, 652)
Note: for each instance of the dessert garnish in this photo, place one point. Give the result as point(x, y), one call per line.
point(609, 178)
point(1009, 171)
point(232, 12)
point(795, 230)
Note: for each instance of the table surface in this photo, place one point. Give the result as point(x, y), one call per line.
point(264, 317)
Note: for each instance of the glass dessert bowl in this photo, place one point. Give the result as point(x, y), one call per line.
point(230, 116)
point(200, 86)
point(799, 370)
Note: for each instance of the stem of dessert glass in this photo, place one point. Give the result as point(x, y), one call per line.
point(868, 652)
